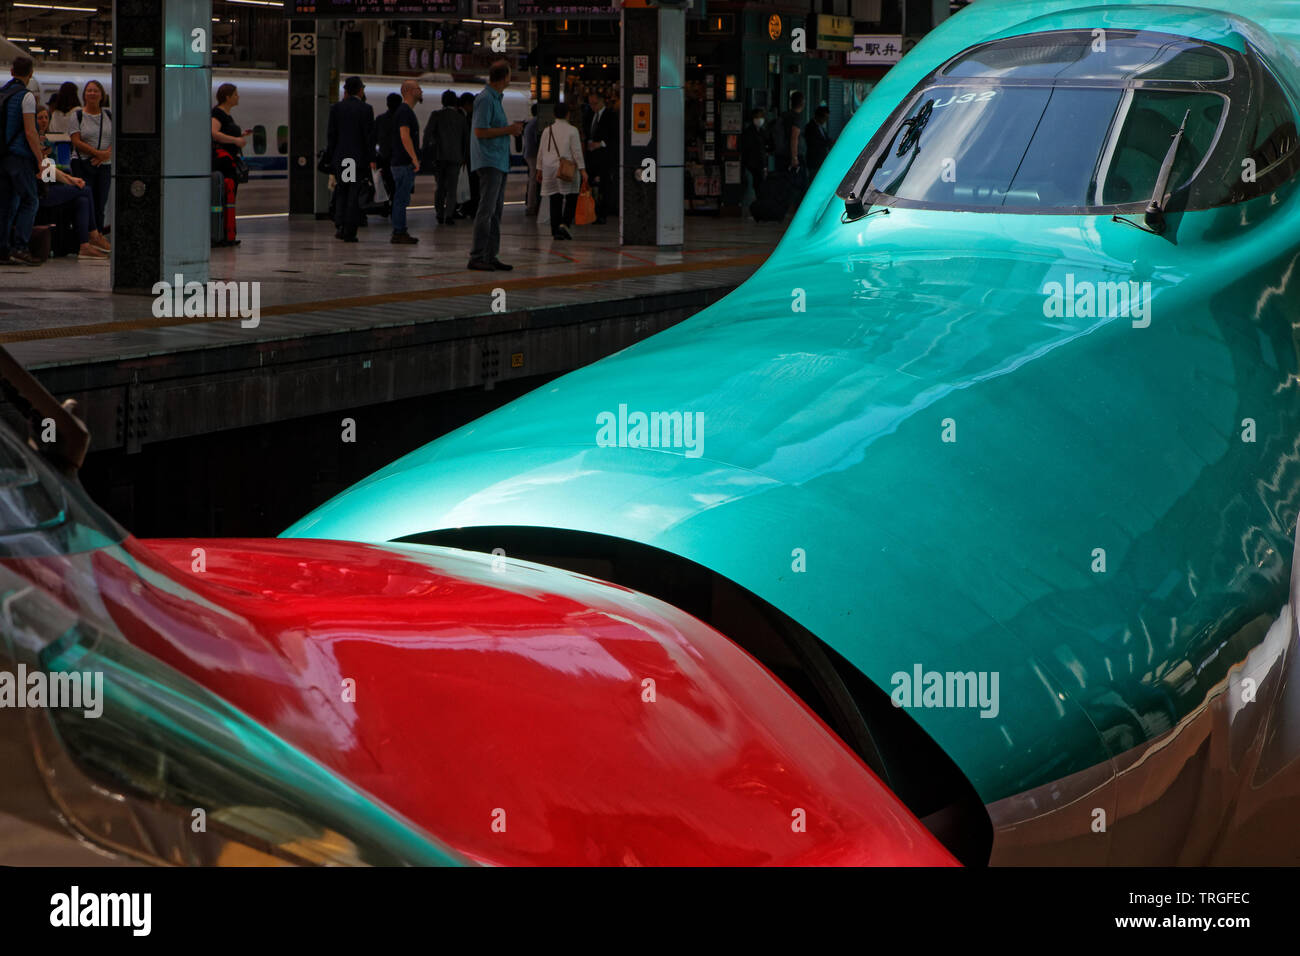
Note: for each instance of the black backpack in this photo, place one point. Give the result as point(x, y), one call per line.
point(6, 94)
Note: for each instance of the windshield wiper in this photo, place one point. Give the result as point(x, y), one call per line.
point(854, 206)
point(1155, 214)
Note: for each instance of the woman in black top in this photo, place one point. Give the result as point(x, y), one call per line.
point(227, 141)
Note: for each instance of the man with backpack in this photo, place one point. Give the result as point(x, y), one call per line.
point(20, 148)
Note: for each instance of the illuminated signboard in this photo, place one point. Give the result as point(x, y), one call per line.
point(354, 9)
point(875, 50)
point(834, 33)
point(555, 9)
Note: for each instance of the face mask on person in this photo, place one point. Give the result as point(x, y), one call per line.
point(758, 122)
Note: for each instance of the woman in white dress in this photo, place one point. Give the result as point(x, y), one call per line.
point(561, 140)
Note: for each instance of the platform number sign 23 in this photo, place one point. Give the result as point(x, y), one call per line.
point(302, 44)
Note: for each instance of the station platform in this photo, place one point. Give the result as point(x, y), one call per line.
point(350, 324)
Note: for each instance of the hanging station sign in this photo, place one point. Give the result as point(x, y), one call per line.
point(560, 9)
point(371, 9)
point(874, 49)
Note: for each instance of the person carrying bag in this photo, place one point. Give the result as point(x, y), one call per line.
point(91, 132)
point(561, 170)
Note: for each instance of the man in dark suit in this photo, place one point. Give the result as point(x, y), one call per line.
point(350, 144)
point(602, 155)
point(818, 139)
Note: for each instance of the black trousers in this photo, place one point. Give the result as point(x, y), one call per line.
point(444, 197)
point(563, 208)
point(604, 169)
point(347, 207)
point(98, 180)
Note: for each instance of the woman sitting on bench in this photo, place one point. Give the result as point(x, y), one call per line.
point(70, 189)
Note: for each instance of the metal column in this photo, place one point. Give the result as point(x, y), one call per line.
point(162, 80)
point(653, 67)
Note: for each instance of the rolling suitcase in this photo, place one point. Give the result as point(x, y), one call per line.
point(217, 226)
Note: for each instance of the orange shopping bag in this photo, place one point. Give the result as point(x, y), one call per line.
point(586, 212)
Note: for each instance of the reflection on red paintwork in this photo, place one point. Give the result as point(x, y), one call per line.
point(517, 697)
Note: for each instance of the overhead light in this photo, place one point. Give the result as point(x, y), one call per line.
point(258, 3)
point(55, 6)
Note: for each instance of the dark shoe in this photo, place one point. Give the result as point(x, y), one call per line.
point(350, 239)
point(478, 265)
point(338, 234)
point(449, 222)
point(557, 235)
point(403, 239)
point(501, 266)
point(564, 231)
point(23, 257)
point(4, 258)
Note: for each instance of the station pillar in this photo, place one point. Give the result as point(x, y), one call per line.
point(313, 88)
point(161, 195)
point(652, 114)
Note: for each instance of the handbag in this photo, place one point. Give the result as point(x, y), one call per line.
point(463, 193)
point(567, 168)
point(241, 168)
point(585, 214)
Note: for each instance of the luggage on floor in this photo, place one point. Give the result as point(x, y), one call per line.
point(39, 247)
point(217, 226)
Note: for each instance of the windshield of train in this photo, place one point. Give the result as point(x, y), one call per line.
point(1062, 121)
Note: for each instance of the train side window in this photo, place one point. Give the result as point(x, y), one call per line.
point(259, 139)
point(282, 140)
point(1273, 157)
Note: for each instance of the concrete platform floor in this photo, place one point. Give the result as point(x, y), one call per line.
point(303, 270)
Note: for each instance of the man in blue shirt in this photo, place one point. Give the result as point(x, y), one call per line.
point(489, 159)
point(19, 166)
